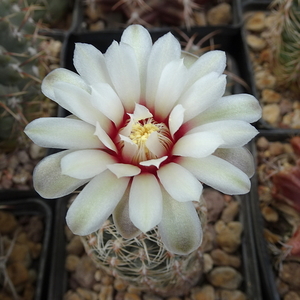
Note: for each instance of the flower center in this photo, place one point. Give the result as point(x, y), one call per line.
point(152, 140)
point(140, 133)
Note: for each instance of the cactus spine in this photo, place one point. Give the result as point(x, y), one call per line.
point(286, 43)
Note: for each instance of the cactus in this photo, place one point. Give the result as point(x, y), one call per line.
point(21, 69)
point(149, 13)
point(143, 261)
point(285, 42)
point(49, 11)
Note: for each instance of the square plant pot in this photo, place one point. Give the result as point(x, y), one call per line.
point(274, 215)
point(25, 241)
point(70, 260)
point(229, 41)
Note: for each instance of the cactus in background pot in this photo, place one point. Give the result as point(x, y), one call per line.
point(286, 41)
point(22, 65)
point(156, 13)
point(50, 11)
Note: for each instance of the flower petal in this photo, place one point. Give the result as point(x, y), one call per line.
point(62, 75)
point(140, 112)
point(122, 220)
point(108, 102)
point(168, 91)
point(202, 94)
point(179, 183)
point(154, 145)
point(240, 157)
point(140, 40)
point(62, 133)
point(188, 58)
point(218, 173)
point(145, 202)
point(90, 64)
point(164, 50)
point(123, 69)
point(234, 133)
point(95, 203)
point(199, 144)
point(124, 170)
point(104, 138)
point(180, 228)
point(77, 101)
point(130, 148)
point(153, 162)
point(235, 107)
point(48, 180)
point(176, 118)
point(84, 164)
point(211, 61)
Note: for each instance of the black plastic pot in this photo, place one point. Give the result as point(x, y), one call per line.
point(266, 270)
point(27, 203)
point(229, 40)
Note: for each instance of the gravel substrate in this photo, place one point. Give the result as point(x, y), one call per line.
point(20, 248)
point(282, 219)
point(281, 107)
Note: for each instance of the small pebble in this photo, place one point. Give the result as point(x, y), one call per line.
point(255, 42)
point(271, 113)
point(86, 294)
point(75, 246)
point(215, 204)
point(106, 293)
point(231, 295)
point(262, 143)
point(221, 258)
point(276, 148)
point(291, 295)
point(270, 96)
point(256, 22)
point(264, 80)
point(84, 273)
point(220, 14)
point(225, 277)
point(269, 214)
point(206, 292)
point(131, 296)
point(290, 273)
point(229, 235)
point(230, 212)
point(71, 262)
point(207, 263)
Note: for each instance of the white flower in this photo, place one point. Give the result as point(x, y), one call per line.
point(147, 127)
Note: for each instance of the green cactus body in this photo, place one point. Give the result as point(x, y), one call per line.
point(286, 43)
point(143, 261)
point(50, 11)
point(20, 74)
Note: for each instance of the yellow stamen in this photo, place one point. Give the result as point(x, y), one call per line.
point(140, 133)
